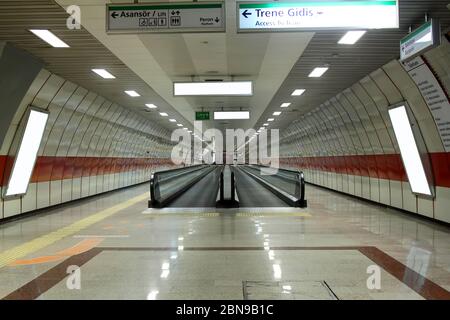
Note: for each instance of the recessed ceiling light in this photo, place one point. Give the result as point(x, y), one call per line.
point(172, 120)
point(298, 92)
point(151, 106)
point(217, 88)
point(265, 124)
point(285, 105)
point(163, 114)
point(103, 73)
point(185, 128)
point(277, 113)
point(132, 93)
point(318, 72)
point(190, 131)
point(50, 38)
point(231, 115)
point(351, 37)
point(270, 119)
point(179, 124)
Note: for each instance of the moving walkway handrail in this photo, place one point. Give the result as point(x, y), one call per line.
point(183, 171)
point(298, 199)
point(155, 195)
point(233, 200)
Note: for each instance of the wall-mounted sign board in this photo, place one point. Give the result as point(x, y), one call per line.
point(420, 40)
point(316, 15)
point(201, 115)
point(434, 95)
point(166, 17)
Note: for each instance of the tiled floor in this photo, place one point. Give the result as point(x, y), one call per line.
point(129, 252)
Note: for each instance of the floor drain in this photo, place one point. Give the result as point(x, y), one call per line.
point(287, 290)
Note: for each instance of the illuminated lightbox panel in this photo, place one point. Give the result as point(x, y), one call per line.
point(411, 149)
point(27, 153)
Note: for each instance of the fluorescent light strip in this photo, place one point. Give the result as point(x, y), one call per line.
point(298, 92)
point(26, 156)
point(103, 73)
point(151, 106)
point(132, 93)
point(219, 88)
point(277, 113)
point(409, 151)
point(351, 37)
point(231, 115)
point(50, 38)
point(285, 105)
point(163, 114)
point(265, 124)
point(179, 124)
point(270, 119)
point(318, 72)
point(172, 120)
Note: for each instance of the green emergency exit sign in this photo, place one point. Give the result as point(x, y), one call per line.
point(201, 115)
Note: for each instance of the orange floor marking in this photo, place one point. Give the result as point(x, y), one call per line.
point(80, 247)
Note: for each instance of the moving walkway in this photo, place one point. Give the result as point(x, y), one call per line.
point(226, 186)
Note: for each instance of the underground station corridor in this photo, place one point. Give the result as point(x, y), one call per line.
point(230, 151)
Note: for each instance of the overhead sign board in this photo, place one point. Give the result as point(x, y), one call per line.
point(420, 40)
point(166, 17)
point(316, 15)
point(201, 115)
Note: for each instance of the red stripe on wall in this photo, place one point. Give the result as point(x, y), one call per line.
point(2, 167)
point(383, 166)
point(60, 168)
point(386, 166)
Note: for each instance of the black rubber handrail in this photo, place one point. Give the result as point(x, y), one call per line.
point(296, 200)
point(156, 201)
point(233, 201)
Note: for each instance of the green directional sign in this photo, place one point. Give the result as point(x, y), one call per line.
point(201, 115)
point(420, 40)
point(269, 16)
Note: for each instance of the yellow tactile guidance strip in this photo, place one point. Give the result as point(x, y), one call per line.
point(34, 245)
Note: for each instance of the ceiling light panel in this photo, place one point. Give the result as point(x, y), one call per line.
point(318, 72)
point(132, 93)
point(298, 92)
point(231, 115)
point(103, 73)
point(351, 37)
point(218, 88)
point(50, 38)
